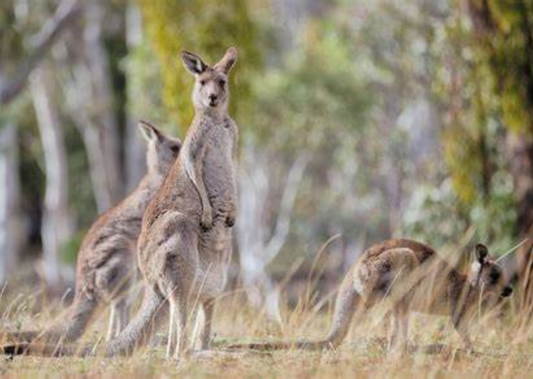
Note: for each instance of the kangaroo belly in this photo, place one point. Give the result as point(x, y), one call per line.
point(389, 276)
point(214, 255)
point(429, 296)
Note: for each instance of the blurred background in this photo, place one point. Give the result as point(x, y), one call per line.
point(360, 120)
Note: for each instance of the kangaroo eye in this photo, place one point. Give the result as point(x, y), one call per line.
point(175, 149)
point(202, 82)
point(222, 82)
point(494, 277)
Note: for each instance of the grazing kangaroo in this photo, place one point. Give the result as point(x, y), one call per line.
point(412, 277)
point(106, 264)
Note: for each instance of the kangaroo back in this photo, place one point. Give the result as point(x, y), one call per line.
point(345, 303)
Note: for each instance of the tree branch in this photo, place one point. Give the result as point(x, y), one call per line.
point(67, 12)
point(287, 202)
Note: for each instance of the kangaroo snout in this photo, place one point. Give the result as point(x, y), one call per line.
point(507, 291)
point(213, 99)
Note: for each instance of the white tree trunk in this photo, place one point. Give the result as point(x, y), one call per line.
point(103, 97)
point(258, 247)
point(135, 147)
point(10, 220)
point(65, 17)
point(56, 225)
point(90, 99)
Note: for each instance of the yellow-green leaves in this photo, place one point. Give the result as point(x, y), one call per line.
point(207, 28)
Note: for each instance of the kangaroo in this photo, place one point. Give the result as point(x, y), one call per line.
point(184, 248)
point(106, 264)
point(412, 277)
point(185, 243)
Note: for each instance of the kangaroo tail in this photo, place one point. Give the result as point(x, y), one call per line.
point(40, 349)
point(78, 316)
point(345, 306)
point(50, 341)
point(22, 336)
point(137, 333)
point(142, 327)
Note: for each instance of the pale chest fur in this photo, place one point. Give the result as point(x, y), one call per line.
point(219, 168)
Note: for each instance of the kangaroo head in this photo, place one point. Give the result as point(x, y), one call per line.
point(211, 91)
point(486, 275)
point(162, 149)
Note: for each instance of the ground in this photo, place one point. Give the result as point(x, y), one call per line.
point(501, 348)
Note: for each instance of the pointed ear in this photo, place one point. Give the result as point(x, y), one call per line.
point(228, 61)
point(176, 145)
point(149, 131)
point(193, 63)
point(481, 253)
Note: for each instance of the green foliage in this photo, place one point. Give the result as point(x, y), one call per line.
point(11, 44)
point(316, 97)
point(207, 28)
point(506, 43)
point(435, 215)
point(474, 100)
point(316, 100)
point(432, 215)
point(144, 87)
point(81, 197)
point(68, 253)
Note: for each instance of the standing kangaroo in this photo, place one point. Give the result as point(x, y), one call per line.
point(185, 246)
point(106, 264)
point(412, 277)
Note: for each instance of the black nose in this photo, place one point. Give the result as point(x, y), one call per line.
point(213, 97)
point(507, 291)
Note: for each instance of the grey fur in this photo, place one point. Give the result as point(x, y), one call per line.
point(185, 244)
point(106, 266)
point(414, 278)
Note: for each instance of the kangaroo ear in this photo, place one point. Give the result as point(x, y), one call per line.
point(149, 131)
point(176, 145)
point(193, 63)
point(228, 61)
point(481, 253)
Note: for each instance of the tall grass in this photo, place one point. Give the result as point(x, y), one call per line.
point(503, 343)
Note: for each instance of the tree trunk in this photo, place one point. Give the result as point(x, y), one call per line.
point(520, 154)
point(103, 194)
point(103, 97)
point(257, 249)
point(135, 147)
point(10, 220)
point(65, 17)
point(56, 226)
point(519, 145)
point(90, 98)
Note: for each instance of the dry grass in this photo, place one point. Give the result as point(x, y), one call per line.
point(502, 350)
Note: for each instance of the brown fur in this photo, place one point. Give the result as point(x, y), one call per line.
point(106, 266)
point(185, 244)
point(412, 277)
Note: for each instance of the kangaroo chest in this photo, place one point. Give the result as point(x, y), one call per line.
point(219, 170)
